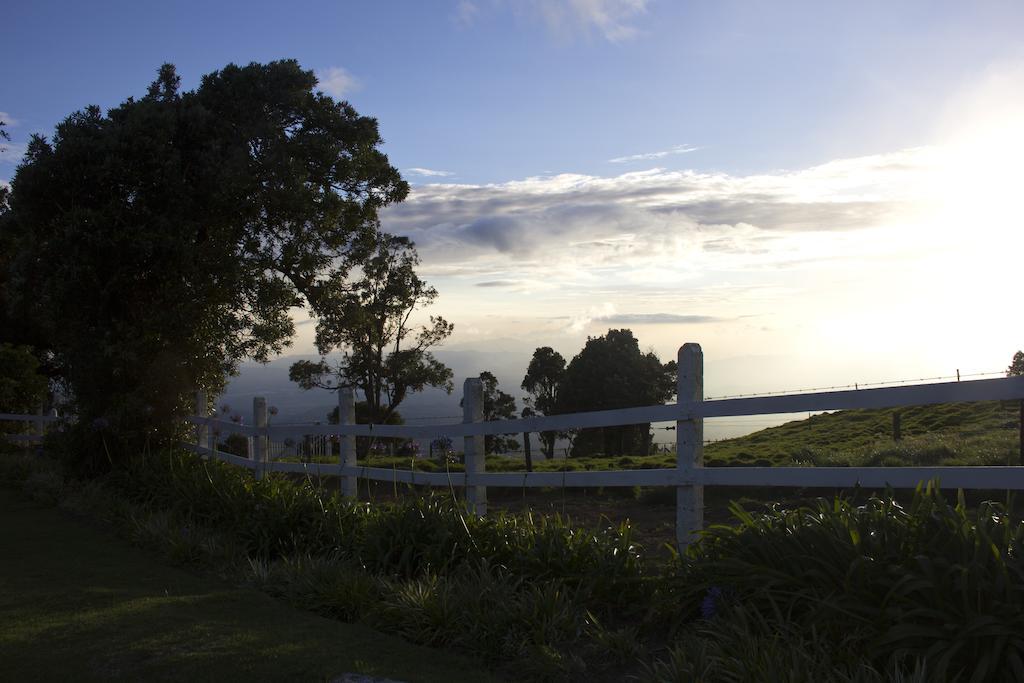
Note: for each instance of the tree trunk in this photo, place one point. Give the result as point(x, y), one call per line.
point(526, 452)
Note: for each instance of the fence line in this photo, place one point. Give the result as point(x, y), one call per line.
point(689, 476)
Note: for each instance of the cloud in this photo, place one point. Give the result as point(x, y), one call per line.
point(660, 226)
point(8, 120)
point(336, 81)
point(611, 18)
point(416, 170)
point(498, 283)
point(578, 323)
point(656, 319)
point(466, 13)
point(12, 152)
point(678, 149)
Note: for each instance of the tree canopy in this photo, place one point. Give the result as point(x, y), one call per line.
point(150, 249)
point(385, 355)
point(611, 372)
point(1016, 368)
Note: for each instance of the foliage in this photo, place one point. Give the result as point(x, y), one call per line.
point(152, 248)
point(384, 355)
point(611, 372)
point(1016, 368)
point(497, 406)
point(542, 379)
point(22, 388)
point(933, 581)
point(858, 589)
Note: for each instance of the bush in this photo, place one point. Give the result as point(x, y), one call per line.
point(933, 581)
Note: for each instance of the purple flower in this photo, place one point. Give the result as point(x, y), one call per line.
point(709, 605)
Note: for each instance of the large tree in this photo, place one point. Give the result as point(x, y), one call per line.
point(385, 354)
point(152, 248)
point(542, 379)
point(611, 372)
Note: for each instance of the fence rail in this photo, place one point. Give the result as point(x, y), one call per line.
point(688, 477)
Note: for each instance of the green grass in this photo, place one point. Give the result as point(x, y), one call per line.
point(77, 604)
point(982, 433)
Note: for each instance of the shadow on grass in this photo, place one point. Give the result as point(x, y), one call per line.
point(76, 604)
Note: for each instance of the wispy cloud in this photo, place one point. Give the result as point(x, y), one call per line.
point(579, 322)
point(8, 120)
point(336, 81)
point(613, 19)
point(12, 152)
point(498, 283)
point(657, 319)
point(466, 13)
point(429, 172)
point(647, 156)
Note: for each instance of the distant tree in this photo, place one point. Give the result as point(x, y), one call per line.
point(543, 376)
point(151, 249)
point(1016, 368)
point(384, 355)
point(4, 190)
point(497, 406)
point(611, 372)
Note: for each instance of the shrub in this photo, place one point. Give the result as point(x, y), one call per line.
point(933, 581)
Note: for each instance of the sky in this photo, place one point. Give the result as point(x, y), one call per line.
point(817, 193)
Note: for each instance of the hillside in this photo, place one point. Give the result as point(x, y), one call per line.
point(983, 433)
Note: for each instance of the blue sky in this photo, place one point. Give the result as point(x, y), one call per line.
point(792, 181)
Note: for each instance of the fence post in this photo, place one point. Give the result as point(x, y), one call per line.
point(473, 448)
point(202, 429)
point(39, 424)
point(347, 449)
point(259, 441)
point(689, 444)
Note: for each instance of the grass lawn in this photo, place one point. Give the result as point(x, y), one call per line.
point(79, 604)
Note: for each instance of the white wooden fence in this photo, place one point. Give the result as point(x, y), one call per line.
point(37, 425)
point(689, 477)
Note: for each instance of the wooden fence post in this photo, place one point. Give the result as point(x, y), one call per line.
point(259, 440)
point(473, 448)
point(39, 430)
point(202, 430)
point(347, 449)
point(689, 444)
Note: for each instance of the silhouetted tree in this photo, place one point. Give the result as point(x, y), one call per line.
point(384, 355)
point(543, 376)
point(611, 372)
point(154, 247)
point(1016, 365)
